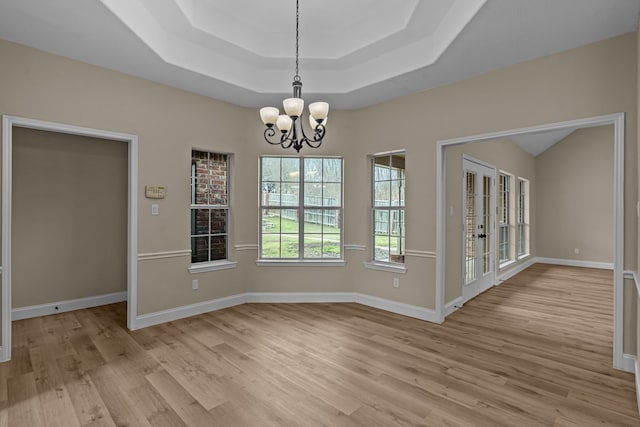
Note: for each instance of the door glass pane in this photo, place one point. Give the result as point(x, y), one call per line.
point(486, 222)
point(469, 228)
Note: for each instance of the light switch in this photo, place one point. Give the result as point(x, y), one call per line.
point(155, 209)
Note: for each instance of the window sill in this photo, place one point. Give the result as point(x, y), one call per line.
point(386, 267)
point(521, 257)
point(212, 266)
point(297, 263)
point(506, 264)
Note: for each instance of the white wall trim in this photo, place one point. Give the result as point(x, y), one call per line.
point(629, 363)
point(637, 369)
point(632, 275)
point(161, 255)
point(388, 267)
point(301, 263)
point(67, 305)
point(355, 247)
point(617, 120)
point(176, 313)
point(298, 297)
point(453, 306)
point(8, 122)
point(420, 254)
point(247, 247)
point(515, 270)
point(205, 267)
point(397, 307)
point(184, 311)
point(575, 263)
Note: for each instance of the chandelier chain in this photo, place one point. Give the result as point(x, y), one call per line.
point(297, 76)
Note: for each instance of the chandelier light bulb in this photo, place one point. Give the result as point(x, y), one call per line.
point(269, 115)
point(319, 110)
point(293, 106)
point(314, 122)
point(284, 123)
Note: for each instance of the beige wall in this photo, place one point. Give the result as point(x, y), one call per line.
point(588, 81)
point(631, 285)
point(168, 122)
point(575, 198)
point(505, 156)
point(584, 82)
point(69, 217)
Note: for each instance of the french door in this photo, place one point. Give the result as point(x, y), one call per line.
point(478, 227)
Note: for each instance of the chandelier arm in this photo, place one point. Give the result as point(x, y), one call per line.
point(269, 133)
point(287, 140)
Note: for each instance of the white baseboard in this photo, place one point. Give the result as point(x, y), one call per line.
point(628, 363)
point(637, 369)
point(298, 297)
point(398, 307)
point(68, 305)
point(176, 313)
point(576, 263)
point(169, 315)
point(515, 270)
point(452, 306)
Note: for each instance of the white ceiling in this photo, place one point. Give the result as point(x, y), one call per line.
point(537, 142)
point(353, 53)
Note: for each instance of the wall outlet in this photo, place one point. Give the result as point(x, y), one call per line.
point(194, 284)
point(396, 282)
point(576, 251)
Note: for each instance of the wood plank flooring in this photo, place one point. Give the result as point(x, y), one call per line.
point(536, 350)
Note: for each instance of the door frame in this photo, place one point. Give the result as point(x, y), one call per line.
point(618, 122)
point(8, 123)
point(494, 265)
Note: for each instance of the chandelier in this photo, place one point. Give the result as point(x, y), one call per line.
point(290, 124)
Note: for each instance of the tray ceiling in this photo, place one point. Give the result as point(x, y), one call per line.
point(352, 53)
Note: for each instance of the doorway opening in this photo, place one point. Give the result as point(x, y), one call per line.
point(8, 125)
point(617, 120)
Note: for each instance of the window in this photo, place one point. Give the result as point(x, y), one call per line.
point(522, 218)
point(388, 208)
point(503, 218)
point(209, 206)
point(301, 208)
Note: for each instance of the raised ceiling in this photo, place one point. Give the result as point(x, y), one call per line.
point(353, 53)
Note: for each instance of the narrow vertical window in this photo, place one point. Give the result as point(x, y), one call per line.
point(503, 218)
point(300, 208)
point(388, 208)
point(522, 216)
point(209, 206)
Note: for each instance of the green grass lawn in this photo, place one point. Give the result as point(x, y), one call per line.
point(317, 244)
point(286, 245)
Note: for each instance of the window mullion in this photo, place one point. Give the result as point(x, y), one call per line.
point(301, 209)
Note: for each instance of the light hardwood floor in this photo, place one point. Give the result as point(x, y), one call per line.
point(534, 351)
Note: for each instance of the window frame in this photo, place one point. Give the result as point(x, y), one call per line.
point(302, 208)
point(504, 213)
point(379, 264)
point(209, 264)
point(522, 219)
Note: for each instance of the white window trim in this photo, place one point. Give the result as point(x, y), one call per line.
point(222, 264)
point(507, 263)
point(321, 262)
point(509, 224)
point(296, 262)
point(383, 266)
point(204, 267)
point(526, 215)
point(373, 263)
